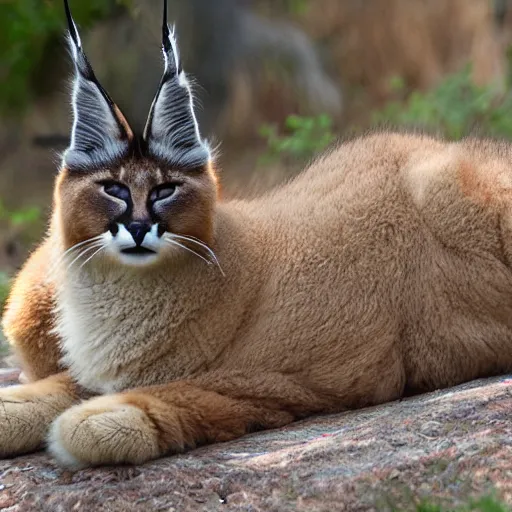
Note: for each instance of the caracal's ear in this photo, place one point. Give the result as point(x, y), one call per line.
point(172, 133)
point(100, 136)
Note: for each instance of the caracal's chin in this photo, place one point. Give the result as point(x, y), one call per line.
point(138, 259)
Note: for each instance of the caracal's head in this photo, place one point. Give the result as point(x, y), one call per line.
point(134, 199)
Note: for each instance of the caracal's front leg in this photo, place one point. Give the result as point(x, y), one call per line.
point(146, 423)
point(28, 319)
point(27, 411)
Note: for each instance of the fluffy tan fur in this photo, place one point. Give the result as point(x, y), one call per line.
point(383, 270)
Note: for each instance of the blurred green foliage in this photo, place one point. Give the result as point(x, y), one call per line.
point(304, 137)
point(4, 289)
point(24, 221)
point(27, 28)
point(298, 7)
point(293, 7)
point(456, 108)
point(21, 217)
point(486, 504)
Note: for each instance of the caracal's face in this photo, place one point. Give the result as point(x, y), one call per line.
point(136, 213)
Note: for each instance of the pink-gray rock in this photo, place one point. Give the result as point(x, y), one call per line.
point(446, 446)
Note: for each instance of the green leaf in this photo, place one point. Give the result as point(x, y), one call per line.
point(5, 286)
point(26, 216)
point(396, 83)
point(305, 137)
point(456, 106)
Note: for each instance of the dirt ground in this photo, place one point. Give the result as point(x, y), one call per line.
point(447, 447)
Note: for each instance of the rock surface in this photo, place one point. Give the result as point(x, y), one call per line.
point(447, 447)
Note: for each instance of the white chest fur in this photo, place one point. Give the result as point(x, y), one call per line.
point(107, 326)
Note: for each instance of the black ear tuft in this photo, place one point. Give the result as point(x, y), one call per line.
point(172, 132)
point(73, 32)
point(100, 135)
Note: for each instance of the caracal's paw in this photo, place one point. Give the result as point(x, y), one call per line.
point(103, 431)
point(24, 420)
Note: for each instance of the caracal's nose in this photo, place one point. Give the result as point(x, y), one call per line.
point(138, 231)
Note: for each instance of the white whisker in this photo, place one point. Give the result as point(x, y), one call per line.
point(72, 249)
point(174, 242)
point(91, 257)
point(198, 242)
point(83, 253)
point(76, 246)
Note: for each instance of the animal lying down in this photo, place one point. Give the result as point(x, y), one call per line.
point(155, 317)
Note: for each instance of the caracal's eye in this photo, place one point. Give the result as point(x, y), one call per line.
point(117, 190)
point(163, 192)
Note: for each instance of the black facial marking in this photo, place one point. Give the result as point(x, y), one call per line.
point(117, 190)
point(120, 192)
point(163, 192)
point(113, 228)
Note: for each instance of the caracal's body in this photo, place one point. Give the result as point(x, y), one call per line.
point(382, 270)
